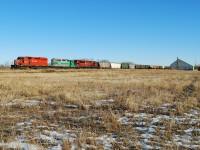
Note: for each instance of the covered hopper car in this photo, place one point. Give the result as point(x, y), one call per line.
point(105, 65)
point(131, 66)
point(157, 67)
point(115, 65)
point(125, 65)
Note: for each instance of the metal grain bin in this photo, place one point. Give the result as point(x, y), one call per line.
point(181, 65)
point(105, 65)
point(115, 65)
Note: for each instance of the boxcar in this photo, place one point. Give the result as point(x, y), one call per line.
point(125, 66)
point(86, 64)
point(115, 65)
point(63, 63)
point(105, 65)
point(30, 62)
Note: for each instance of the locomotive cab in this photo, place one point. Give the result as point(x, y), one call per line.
point(19, 61)
point(22, 61)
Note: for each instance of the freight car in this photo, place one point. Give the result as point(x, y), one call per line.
point(131, 66)
point(197, 68)
point(166, 67)
point(125, 66)
point(115, 65)
point(104, 65)
point(86, 64)
point(142, 67)
point(147, 67)
point(30, 62)
point(157, 67)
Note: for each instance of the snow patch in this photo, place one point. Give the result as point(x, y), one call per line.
point(104, 103)
point(107, 140)
point(22, 102)
point(19, 145)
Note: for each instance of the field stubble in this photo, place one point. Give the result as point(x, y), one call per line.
point(99, 109)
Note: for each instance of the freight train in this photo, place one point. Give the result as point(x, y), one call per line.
point(42, 62)
point(197, 67)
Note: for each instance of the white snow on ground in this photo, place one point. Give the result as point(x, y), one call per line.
point(19, 145)
point(124, 120)
point(55, 138)
point(22, 102)
point(147, 136)
point(72, 106)
point(155, 120)
point(167, 105)
point(106, 140)
point(141, 115)
point(147, 129)
point(145, 144)
point(66, 136)
point(195, 112)
point(104, 103)
point(147, 124)
point(128, 114)
point(57, 147)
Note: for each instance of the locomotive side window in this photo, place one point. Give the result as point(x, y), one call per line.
point(65, 60)
point(57, 59)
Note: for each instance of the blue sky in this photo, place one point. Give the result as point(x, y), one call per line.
point(151, 32)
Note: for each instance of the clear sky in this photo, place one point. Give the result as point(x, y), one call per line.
point(152, 32)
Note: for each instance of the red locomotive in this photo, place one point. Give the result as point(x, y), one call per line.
point(86, 64)
point(25, 61)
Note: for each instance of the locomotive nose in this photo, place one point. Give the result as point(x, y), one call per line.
point(16, 62)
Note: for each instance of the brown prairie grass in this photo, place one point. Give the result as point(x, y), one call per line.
point(131, 89)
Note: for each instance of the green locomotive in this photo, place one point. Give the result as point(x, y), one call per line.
point(63, 63)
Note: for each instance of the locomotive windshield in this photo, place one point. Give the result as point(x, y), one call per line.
point(20, 58)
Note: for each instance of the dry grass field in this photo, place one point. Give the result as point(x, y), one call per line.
point(99, 109)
